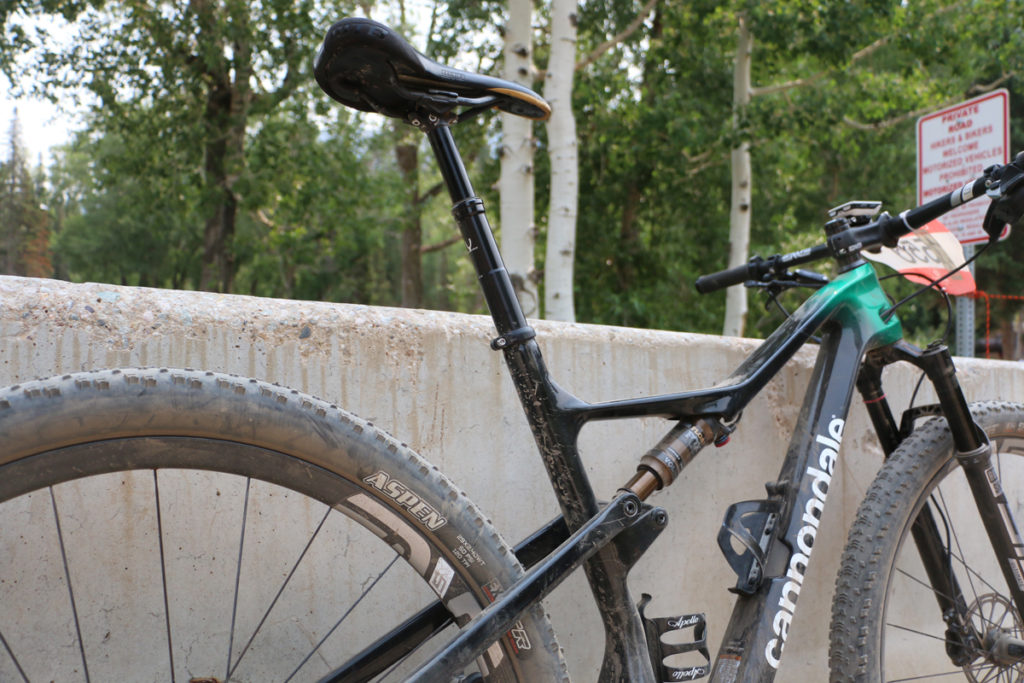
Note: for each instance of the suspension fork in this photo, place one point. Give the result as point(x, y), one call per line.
point(925, 531)
point(974, 455)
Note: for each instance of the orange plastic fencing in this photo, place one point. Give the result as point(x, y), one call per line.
point(978, 294)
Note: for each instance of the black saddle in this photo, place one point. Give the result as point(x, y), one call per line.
point(368, 66)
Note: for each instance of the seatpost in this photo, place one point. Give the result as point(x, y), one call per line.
point(468, 210)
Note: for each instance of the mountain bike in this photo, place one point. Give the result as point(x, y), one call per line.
point(931, 581)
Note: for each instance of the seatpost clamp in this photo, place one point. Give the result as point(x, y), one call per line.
point(513, 338)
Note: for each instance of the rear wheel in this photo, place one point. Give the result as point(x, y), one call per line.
point(176, 525)
point(886, 622)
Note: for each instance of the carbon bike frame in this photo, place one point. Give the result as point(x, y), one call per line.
point(858, 339)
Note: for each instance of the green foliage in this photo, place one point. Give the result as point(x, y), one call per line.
point(838, 89)
point(317, 224)
point(130, 195)
point(24, 225)
point(321, 205)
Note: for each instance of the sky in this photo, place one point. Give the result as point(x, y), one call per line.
point(43, 126)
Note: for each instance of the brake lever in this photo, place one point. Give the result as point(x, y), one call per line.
point(797, 278)
point(1007, 195)
point(811, 279)
point(789, 280)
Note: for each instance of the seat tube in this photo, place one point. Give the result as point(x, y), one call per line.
point(468, 210)
point(555, 429)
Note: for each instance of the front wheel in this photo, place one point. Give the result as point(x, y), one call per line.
point(172, 525)
point(886, 622)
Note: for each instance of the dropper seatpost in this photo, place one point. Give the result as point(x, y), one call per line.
point(468, 210)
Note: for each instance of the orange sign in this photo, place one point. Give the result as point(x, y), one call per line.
point(927, 254)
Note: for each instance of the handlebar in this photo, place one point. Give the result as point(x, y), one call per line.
point(1003, 183)
point(758, 268)
point(727, 278)
point(888, 230)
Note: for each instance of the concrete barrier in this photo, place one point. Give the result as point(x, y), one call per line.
point(431, 380)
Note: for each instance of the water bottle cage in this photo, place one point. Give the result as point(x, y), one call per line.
point(661, 651)
point(752, 524)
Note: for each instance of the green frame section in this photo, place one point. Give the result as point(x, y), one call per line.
point(856, 301)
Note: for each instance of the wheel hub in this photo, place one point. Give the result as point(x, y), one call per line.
point(998, 648)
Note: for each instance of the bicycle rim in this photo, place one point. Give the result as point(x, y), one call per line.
point(200, 559)
point(913, 641)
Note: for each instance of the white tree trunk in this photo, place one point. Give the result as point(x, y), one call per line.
point(561, 245)
point(739, 215)
point(515, 185)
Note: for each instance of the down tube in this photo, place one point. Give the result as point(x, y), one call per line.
point(757, 631)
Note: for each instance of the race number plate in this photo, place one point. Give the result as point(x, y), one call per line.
point(926, 255)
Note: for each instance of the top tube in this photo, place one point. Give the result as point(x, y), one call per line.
point(854, 300)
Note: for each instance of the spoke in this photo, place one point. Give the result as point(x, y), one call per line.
point(343, 617)
point(279, 592)
point(967, 567)
point(424, 641)
point(931, 588)
point(924, 583)
point(991, 610)
point(977, 574)
point(238, 575)
point(919, 633)
point(71, 592)
point(957, 672)
point(988, 676)
point(990, 620)
point(163, 573)
point(925, 677)
point(956, 540)
point(995, 672)
point(995, 668)
point(13, 658)
point(1007, 612)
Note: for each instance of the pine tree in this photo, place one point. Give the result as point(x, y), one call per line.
point(24, 225)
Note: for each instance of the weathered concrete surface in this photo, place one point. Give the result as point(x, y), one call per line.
point(431, 380)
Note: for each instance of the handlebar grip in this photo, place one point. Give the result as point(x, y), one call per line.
point(725, 278)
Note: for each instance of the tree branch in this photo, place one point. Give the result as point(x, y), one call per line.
point(295, 74)
point(983, 88)
point(700, 162)
point(438, 246)
point(888, 123)
point(857, 56)
point(810, 80)
point(262, 217)
point(429, 194)
point(619, 37)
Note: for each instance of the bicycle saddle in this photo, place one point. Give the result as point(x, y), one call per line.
point(368, 66)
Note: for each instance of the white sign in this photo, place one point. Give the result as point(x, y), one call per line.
point(954, 146)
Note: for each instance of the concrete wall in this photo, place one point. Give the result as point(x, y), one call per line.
point(431, 380)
